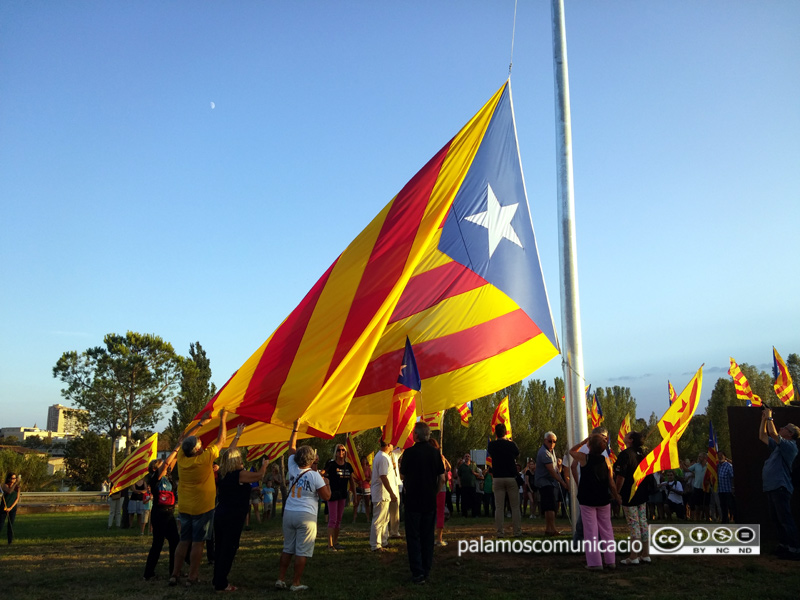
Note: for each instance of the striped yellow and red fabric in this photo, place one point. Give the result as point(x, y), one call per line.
point(465, 412)
point(712, 461)
point(451, 262)
point(742, 386)
point(354, 459)
point(434, 420)
point(672, 425)
point(271, 451)
point(403, 412)
point(672, 395)
point(135, 466)
point(596, 412)
point(501, 415)
point(783, 386)
point(624, 429)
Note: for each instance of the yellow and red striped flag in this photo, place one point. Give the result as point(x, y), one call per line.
point(465, 412)
point(271, 451)
point(672, 425)
point(434, 420)
point(501, 415)
point(451, 261)
point(596, 412)
point(712, 461)
point(784, 388)
point(135, 466)
point(403, 413)
point(672, 395)
point(624, 429)
point(353, 458)
point(742, 386)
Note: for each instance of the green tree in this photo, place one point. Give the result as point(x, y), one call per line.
point(196, 390)
point(86, 460)
point(793, 366)
point(122, 385)
point(32, 468)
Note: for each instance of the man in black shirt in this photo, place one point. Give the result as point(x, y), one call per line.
point(422, 471)
point(504, 455)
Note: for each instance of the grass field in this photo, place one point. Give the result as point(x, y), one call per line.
point(73, 556)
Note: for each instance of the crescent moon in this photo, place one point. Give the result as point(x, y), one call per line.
point(213, 106)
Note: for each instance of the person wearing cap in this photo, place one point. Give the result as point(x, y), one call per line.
point(777, 481)
point(384, 491)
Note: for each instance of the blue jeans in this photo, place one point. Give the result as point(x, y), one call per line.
point(780, 509)
point(419, 540)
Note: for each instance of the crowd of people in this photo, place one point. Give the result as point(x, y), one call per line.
point(218, 495)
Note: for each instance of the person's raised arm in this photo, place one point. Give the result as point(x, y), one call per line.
point(293, 438)
point(577, 456)
point(222, 436)
point(170, 461)
point(239, 431)
point(253, 476)
point(767, 429)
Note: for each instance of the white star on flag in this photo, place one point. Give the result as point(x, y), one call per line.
point(497, 219)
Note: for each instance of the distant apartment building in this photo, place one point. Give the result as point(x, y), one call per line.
point(63, 419)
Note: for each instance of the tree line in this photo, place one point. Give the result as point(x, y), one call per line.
point(126, 385)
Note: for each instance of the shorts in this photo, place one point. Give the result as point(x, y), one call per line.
point(135, 507)
point(195, 528)
point(299, 533)
point(548, 498)
point(255, 497)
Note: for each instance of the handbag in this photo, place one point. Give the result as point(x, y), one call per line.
point(165, 497)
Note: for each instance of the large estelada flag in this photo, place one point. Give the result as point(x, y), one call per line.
point(135, 466)
point(403, 412)
point(742, 386)
point(672, 425)
point(783, 386)
point(451, 262)
point(501, 415)
point(270, 451)
point(624, 429)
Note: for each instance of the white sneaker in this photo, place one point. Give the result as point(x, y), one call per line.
point(298, 588)
point(280, 585)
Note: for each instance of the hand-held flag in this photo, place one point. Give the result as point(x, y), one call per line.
point(672, 425)
point(403, 413)
point(596, 412)
point(742, 386)
point(784, 388)
point(624, 429)
point(434, 420)
point(501, 415)
point(710, 478)
point(135, 466)
point(672, 395)
point(354, 459)
point(465, 412)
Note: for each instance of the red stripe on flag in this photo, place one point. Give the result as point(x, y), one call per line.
point(453, 351)
point(388, 258)
point(429, 288)
point(265, 385)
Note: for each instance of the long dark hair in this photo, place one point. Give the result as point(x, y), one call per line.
point(9, 476)
point(637, 443)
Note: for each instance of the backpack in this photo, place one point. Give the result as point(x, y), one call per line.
point(165, 497)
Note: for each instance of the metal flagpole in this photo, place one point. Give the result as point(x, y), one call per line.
point(571, 347)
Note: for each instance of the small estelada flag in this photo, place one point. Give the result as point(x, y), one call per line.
point(434, 420)
point(624, 429)
point(135, 466)
point(784, 388)
point(403, 412)
point(501, 415)
point(742, 386)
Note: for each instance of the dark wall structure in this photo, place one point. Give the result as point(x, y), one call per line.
point(748, 454)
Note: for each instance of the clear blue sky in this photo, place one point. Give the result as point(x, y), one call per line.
point(128, 202)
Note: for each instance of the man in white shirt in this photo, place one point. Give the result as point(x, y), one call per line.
point(384, 491)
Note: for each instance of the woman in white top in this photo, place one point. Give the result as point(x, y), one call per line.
point(306, 488)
